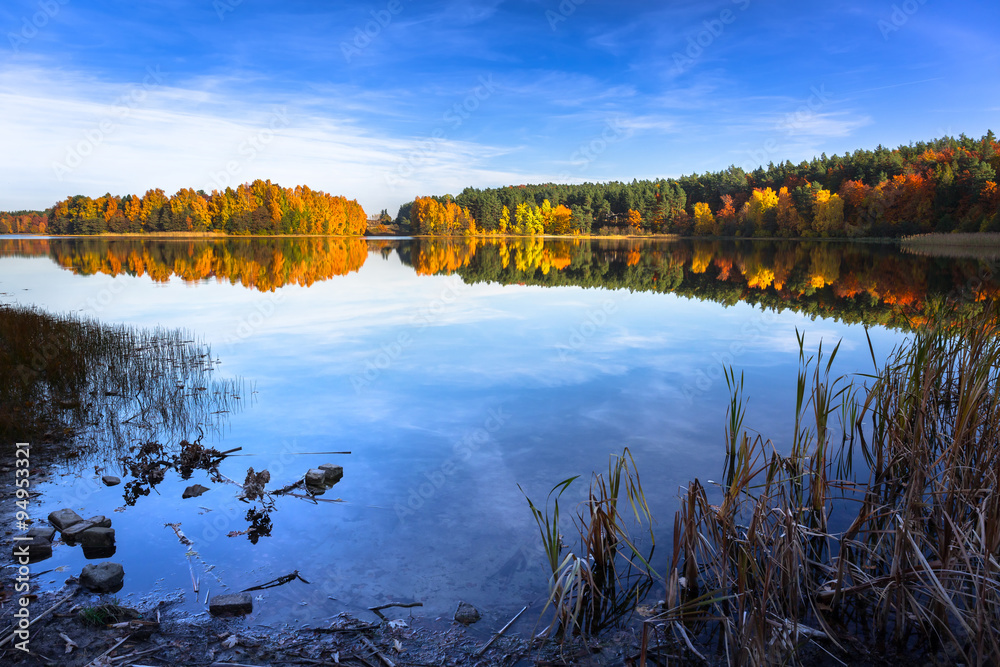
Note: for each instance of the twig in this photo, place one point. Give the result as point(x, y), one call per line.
point(405, 605)
point(180, 536)
point(194, 582)
point(385, 660)
point(38, 618)
point(117, 644)
point(280, 581)
point(361, 628)
point(286, 489)
point(137, 654)
point(500, 632)
point(314, 498)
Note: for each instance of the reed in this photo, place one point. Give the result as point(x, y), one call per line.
point(104, 387)
point(889, 539)
point(598, 584)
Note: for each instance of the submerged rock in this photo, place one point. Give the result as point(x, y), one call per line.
point(231, 604)
point(194, 491)
point(64, 518)
point(98, 553)
point(38, 549)
point(466, 613)
point(332, 473)
point(47, 533)
point(72, 534)
point(103, 577)
point(111, 480)
point(97, 538)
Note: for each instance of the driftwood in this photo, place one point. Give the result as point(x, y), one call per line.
point(280, 581)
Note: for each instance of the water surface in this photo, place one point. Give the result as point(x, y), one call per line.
point(454, 371)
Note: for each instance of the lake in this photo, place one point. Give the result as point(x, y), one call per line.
point(455, 371)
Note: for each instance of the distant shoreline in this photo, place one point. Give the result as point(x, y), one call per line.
point(955, 240)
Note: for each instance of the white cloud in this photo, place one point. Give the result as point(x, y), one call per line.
point(74, 134)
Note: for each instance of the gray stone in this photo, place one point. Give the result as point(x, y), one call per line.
point(466, 613)
point(232, 604)
point(111, 480)
point(103, 577)
point(194, 491)
point(47, 533)
point(72, 534)
point(99, 538)
point(333, 474)
point(36, 547)
point(64, 518)
point(100, 521)
point(315, 477)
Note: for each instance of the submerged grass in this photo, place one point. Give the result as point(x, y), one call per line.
point(68, 378)
point(903, 555)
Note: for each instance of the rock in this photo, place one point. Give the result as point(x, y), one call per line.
point(100, 521)
point(64, 518)
point(232, 604)
point(466, 613)
point(315, 477)
point(100, 538)
point(194, 491)
point(37, 548)
point(98, 553)
point(103, 577)
point(111, 480)
point(47, 533)
point(333, 474)
point(72, 534)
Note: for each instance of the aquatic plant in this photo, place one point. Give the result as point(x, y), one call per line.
point(600, 583)
point(104, 387)
point(904, 553)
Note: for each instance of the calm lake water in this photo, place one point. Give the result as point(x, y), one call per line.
point(453, 372)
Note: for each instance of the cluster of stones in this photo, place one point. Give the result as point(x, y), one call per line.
point(95, 535)
point(319, 480)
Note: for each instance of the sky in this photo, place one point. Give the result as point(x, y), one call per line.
point(387, 100)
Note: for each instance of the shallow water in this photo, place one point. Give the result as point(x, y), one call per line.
point(453, 372)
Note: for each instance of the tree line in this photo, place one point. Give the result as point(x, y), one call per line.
point(260, 207)
point(944, 185)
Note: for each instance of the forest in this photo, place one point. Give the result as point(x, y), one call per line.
point(944, 185)
point(260, 207)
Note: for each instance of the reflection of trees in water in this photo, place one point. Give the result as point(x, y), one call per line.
point(853, 282)
point(856, 283)
point(263, 264)
point(104, 387)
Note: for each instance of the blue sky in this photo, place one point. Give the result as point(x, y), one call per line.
point(382, 101)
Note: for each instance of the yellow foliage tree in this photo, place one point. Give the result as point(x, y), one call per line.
point(828, 213)
point(704, 221)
